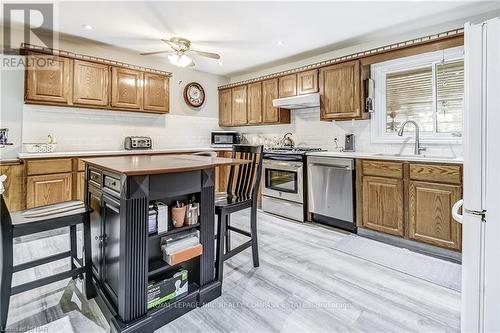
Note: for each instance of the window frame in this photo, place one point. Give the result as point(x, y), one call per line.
point(379, 73)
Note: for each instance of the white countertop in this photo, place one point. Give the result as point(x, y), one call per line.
point(115, 152)
point(388, 156)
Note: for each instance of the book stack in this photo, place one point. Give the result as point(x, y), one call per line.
point(181, 247)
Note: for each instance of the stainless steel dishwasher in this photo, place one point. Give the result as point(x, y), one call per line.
point(330, 191)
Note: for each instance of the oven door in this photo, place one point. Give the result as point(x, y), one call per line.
point(283, 180)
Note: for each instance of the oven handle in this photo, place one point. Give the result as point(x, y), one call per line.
point(282, 158)
point(283, 165)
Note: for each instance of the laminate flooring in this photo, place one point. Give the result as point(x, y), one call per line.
point(303, 284)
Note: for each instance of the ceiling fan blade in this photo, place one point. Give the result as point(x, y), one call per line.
point(168, 42)
point(156, 52)
point(205, 54)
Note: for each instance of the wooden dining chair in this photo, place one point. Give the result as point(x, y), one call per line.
point(36, 220)
point(241, 193)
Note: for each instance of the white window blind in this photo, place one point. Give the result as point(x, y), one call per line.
point(427, 88)
point(409, 96)
point(450, 96)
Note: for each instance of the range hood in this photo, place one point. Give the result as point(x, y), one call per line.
point(297, 102)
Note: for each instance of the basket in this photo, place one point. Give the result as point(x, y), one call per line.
point(40, 147)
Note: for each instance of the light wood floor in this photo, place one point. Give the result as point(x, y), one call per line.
point(302, 285)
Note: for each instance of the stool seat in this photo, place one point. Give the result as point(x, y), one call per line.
point(48, 217)
point(226, 200)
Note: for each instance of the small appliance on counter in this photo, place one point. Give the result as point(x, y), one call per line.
point(138, 142)
point(349, 145)
point(225, 139)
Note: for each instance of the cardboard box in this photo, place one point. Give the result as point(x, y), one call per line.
point(167, 289)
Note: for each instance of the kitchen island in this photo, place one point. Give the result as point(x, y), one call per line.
point(126, 256)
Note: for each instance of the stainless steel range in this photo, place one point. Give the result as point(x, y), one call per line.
point(284, 182)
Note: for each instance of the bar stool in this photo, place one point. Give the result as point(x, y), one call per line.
point(36, 220)
point(242, 190)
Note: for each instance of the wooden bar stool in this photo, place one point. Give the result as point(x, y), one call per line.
point(242, 190)
point(32, 221)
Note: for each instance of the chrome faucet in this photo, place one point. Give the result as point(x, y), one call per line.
point(418, 149)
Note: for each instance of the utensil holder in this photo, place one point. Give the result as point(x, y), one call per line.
point(178, 216)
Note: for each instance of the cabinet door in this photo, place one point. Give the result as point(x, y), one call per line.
point(223, 172)
point(14, 194)
point(111, 246)
point(80, 186)
point(239, 105)
point(339, 87)
point(307, 82)
point(225, 107)
point(48, 79)
point(430, 217)
point(288, 85)
point(255, 103)
point(90, 83)
point(156, 92)
point(270, 114)
point(383, 205)
point(126, 88)
point(96, 230)
point(48, 189)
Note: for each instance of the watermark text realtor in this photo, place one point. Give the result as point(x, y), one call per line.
point(29, 23)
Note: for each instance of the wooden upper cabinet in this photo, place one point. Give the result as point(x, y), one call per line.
point(288, 85)
point(270, 114)
point(225, 108)
point(255, 103)
point(339, 87)
point(239, 105)
point(48, 79)
point(430, 218)
point(90, 83)
point(383, 205)
point(126, 88)
point(156, 92)
point(307, 82)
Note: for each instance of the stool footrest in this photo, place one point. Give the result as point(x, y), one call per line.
point(42, 261)
point(237, 250)
point(46, 280)
point(240, 231)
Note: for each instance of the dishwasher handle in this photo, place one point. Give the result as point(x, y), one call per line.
point(333, 166)
point(331, 162)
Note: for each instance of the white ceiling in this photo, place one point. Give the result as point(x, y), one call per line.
point(245, 34)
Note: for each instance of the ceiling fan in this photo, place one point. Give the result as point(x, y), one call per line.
point(180, 48)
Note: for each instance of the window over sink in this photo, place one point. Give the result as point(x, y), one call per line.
point(427, 88)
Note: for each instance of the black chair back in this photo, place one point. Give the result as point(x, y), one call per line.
point(244, 180)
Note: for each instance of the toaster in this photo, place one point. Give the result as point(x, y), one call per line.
point(138, 142)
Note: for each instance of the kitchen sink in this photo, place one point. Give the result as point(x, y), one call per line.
point(426, 156)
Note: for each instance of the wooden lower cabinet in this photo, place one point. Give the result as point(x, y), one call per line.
point(14, 186)
point(410, 200)
point(222, 173)
point(48, 189)
point(80, 186)
point(430, 219)
point(383, 205)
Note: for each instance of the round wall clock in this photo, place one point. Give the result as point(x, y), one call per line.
point(194, 95)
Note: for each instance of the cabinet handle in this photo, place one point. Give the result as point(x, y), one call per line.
point(454, 211)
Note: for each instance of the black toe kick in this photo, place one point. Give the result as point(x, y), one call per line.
point(333, 222)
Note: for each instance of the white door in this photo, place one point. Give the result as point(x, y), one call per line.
point(481, 204)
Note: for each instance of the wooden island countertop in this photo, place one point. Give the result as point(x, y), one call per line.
point(159, 164)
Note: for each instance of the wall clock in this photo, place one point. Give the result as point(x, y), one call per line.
point(194, 95)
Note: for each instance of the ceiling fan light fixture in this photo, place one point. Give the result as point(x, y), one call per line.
point(180, 60)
